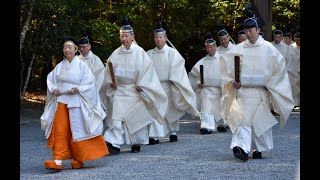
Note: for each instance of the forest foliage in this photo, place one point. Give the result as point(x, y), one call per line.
point(44, 22)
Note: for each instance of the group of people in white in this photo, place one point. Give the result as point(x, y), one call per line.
point(141, 95)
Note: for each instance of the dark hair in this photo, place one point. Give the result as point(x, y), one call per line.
point(69, 38)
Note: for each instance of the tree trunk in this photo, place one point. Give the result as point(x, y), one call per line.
point(28, 76)
point(26, 24)
point(26, 81)
point(22, 37)
point(265, 10)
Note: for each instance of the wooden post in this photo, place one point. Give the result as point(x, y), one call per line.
point(201, 74)
point(237, 68)
point(265, 10)
point(113, 78)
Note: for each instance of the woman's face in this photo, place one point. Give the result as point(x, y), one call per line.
point(69, 50)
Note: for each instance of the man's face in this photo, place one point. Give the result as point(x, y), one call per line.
point(211, 49)
point(277, 38)
point(287, 40)
point(160, 40)
point(252, 34)
point(224, 41)
point(242, 38)
point(126, 39)
point(84, 49)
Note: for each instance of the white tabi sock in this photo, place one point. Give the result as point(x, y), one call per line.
point(58, 162)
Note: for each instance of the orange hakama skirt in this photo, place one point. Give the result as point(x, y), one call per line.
point(63, 146)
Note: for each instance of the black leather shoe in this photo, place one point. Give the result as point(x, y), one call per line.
point(205, 131)
point(112, 149)
point(256, 155)
point(153, 141)
point(135, 148)
point(239, 153)
point(222, 128)
point(173, 138)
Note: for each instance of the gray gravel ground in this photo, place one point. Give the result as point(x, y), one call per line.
point(194, 156)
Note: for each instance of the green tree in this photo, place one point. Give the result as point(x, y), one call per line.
point(44, 22)
point(287, 13)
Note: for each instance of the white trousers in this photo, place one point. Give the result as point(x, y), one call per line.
point(245, 138)
point(208, 121)
point(157, 130)
point(120, 135)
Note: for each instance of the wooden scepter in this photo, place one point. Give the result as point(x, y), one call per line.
point(201, 74)
point(237, 68)
point(113, 78)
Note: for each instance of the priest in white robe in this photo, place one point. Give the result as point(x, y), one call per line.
point(246, 104)
point(224, 39)
point(291, 57)
point(296, 46)
point(209, 91)
point(170, 68)
point(137, 97)
point(95, 64)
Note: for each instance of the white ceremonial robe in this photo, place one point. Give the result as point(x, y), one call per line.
point(290, 54)
point(98, 69)
point(131, 112)
point(85, 111)
point(208, 98)
point(170, 68)
point(297, 55)
point(263, 78)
